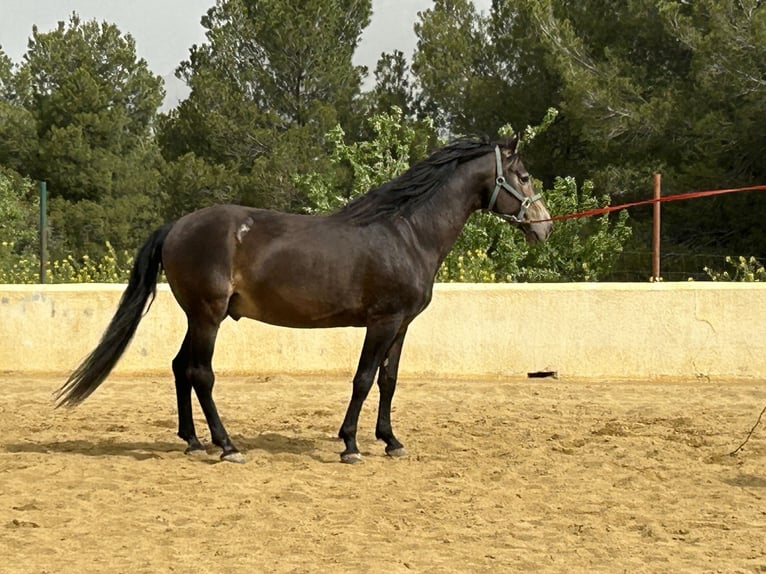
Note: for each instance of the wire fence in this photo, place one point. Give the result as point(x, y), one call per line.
point(636, 265)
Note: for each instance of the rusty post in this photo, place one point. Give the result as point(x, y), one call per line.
point(656, 229)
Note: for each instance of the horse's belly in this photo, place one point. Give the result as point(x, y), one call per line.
point(295, 310)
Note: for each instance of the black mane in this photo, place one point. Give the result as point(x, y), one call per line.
point(416, 185)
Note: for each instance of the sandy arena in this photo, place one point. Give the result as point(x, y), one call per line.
point(534, 475)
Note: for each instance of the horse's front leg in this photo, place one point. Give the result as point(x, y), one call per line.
point(387, 376)
point(377, 341)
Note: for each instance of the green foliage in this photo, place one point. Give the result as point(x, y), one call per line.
point(721, 138)
point(739, 269)
point(6, 75)
point(112, 267)
point(488, 249)
point(662, 85)
point(272, 79)
point(288, 58)
point(584, 249)
point(577, 250)
point(393, 85)
point(658, 85)
point(79, 114)
point(531, 132)
point(87, 74)
point(190, 183)
point(18, 133)
point(477, 72)
point(19, 212)
point(461, 88)
point(397, 143)
point(19, 242)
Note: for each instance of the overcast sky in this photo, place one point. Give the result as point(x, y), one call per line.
point(164, 30)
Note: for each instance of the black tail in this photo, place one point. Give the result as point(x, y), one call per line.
point(141, 286)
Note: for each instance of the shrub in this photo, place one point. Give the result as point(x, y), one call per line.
point(112, 267)
point(741, 269)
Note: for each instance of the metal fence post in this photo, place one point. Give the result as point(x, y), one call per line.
point(43, 229)
point(656, 228)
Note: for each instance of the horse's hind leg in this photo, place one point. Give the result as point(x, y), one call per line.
point(387, 376)
point(202, 336)
point(186, 428)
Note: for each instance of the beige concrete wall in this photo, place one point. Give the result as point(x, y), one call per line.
point(586, 330)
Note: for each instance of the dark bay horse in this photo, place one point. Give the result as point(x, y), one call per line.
point(370, 264)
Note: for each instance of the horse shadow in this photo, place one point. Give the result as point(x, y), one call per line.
point(97, 448)
point(747, 481)
point(270, 442)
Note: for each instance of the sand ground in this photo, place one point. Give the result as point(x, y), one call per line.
point(512, 476)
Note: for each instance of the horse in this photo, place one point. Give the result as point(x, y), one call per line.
point(372, 264)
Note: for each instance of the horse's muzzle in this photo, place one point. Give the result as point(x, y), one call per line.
point(536, 232)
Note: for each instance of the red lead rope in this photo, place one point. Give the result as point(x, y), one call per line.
point(677, 197)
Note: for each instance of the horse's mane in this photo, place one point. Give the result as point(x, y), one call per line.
point(416, 185)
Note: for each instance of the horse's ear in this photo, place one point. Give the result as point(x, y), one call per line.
point(510, 147)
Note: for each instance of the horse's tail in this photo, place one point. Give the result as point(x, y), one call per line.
point(141, 286)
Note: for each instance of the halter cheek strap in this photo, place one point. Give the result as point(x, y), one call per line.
point(502, 183)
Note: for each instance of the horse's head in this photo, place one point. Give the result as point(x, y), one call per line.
point(513, 196)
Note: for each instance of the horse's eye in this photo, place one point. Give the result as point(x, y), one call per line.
point(524, 177)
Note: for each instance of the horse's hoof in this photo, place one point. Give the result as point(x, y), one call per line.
point(195, 451)
point(235, 456)
point(397, 452)
point(351, 457)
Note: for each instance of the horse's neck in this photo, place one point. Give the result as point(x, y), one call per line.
point(439, 221)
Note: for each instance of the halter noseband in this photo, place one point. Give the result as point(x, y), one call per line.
point(501, 182)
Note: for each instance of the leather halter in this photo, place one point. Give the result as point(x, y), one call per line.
point(502, 183)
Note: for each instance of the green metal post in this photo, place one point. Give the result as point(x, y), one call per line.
point(43, 229)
